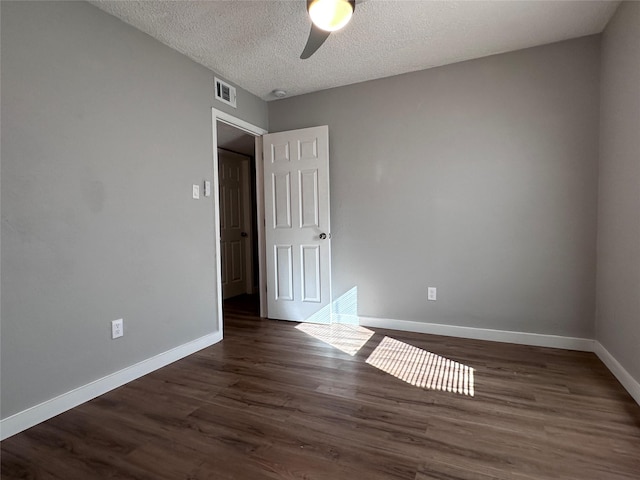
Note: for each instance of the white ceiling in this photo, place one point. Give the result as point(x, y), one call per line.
point(257, 44)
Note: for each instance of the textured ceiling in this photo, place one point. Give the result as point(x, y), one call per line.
point(257, 44)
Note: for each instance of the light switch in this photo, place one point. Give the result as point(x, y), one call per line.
point(196, 192)
point(207, 189)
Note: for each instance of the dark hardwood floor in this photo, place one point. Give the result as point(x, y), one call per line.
point(272, 402)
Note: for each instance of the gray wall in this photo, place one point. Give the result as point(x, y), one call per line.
point(103, 132)
point(618, 318)
point(479, 178)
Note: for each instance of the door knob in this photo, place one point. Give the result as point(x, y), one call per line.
point(244, 234)
point(324, 235)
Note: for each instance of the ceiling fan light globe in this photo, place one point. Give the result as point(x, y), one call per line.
point(330, 15)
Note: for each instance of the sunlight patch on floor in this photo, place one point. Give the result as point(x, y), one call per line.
point(347, 338)
point(422, 368)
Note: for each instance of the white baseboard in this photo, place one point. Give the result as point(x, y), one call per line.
point(521, 338)
point(628, 382)
point(535, 339)
point(55, 406)
point(345, 319)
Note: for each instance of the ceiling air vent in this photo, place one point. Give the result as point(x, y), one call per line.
point(225, 92)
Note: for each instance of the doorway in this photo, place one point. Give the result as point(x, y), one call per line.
point(298, 265)
point(239, 215)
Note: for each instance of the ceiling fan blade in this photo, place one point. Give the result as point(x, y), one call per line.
point(316, 39)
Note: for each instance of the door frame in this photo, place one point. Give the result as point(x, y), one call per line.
point(257, 132)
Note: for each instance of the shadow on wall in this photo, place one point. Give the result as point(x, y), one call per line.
point(341, 310)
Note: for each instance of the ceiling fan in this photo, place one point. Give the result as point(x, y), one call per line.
point(326, 16)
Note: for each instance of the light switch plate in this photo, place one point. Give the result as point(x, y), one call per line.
point(207, 188)
point(196, 192)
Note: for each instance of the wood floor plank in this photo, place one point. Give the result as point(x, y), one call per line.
point(272, 402)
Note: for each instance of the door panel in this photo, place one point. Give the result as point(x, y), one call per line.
point(282, 200)
point(309, 201)
point(284, 272)
point(296, 182)
point(310, 273)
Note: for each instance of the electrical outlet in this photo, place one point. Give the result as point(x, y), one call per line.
point(431, 293)
point(117, 328)
point(196, 192)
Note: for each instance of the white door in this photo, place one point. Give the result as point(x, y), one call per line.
point(233, 172)
point(297, 230)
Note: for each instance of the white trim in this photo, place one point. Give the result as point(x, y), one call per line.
point(535, 339)
point(220, 116)
point(216, 220)
point(248, 224)
point(262, 248)
point(55, 406)
point(628, 382)
point(344, 318)
point(238, 123)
